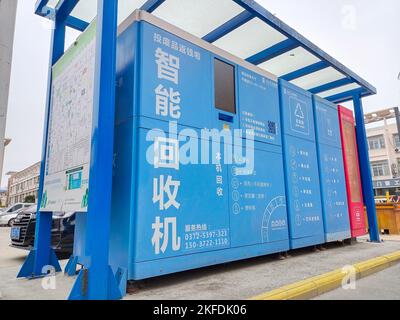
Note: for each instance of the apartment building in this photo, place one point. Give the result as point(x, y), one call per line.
point(384, 152)
point(24, 183)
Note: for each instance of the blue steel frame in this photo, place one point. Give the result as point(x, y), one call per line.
point(97, 280)
point(42, 256)
point(365, 169)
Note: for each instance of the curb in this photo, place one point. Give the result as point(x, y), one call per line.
point(315, 286)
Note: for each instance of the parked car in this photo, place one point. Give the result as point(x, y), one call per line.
point(62, 232)
point(8, 216)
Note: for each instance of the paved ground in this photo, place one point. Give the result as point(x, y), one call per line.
point(384, 285)
point(11, 260)
point(239, 280)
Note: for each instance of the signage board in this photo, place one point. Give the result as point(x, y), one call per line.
point(67, 163)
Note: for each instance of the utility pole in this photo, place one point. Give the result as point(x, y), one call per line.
point(8, 11)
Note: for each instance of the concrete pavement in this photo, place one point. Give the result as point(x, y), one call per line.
point(384, 285)
point(11, 260)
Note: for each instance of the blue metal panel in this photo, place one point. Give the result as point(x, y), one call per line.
point(334, 195)
point(165, 266)
point(303, 192)
point(365, 170)
point(125, 150)
point(259, 106)
point(305, 71)
point(193, 105)
point(301, 167)
point(346, 96)
point(210, 227)
point(229, 26)
point(297, 111)
point(258, 201)
point(331, 169)
point(128, 55)
point(80, 239)
point(197, 230)
point(274, 51)
point(327, 123)
point(123, 196)
point(331, 85)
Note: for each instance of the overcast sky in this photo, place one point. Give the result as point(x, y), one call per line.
point(363, 35)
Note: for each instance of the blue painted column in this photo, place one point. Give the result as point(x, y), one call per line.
point(365, 169)
point(42, 256)
point(97, 281)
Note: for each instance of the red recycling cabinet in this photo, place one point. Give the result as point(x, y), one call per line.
point(352, 171)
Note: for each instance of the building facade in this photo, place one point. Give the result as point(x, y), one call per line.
point(384, 152)
point(3, 198)
point(24, 183)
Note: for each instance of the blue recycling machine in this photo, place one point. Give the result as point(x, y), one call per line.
point(176, 208)
point(189, 153)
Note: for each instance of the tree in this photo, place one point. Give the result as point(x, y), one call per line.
point(30, 199)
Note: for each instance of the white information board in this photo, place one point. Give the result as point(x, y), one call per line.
point(66, 182)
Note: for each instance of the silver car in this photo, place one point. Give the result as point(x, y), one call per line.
point(8, 216)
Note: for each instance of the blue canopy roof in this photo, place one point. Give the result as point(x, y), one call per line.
point(243, 28)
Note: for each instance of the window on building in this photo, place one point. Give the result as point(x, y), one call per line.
point(380, 168)
point(396, 141)
point(376, 143)
point(224, 83)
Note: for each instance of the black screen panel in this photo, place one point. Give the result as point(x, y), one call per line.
point(224, 83)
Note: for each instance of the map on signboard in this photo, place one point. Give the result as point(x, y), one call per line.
point(66, 182)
